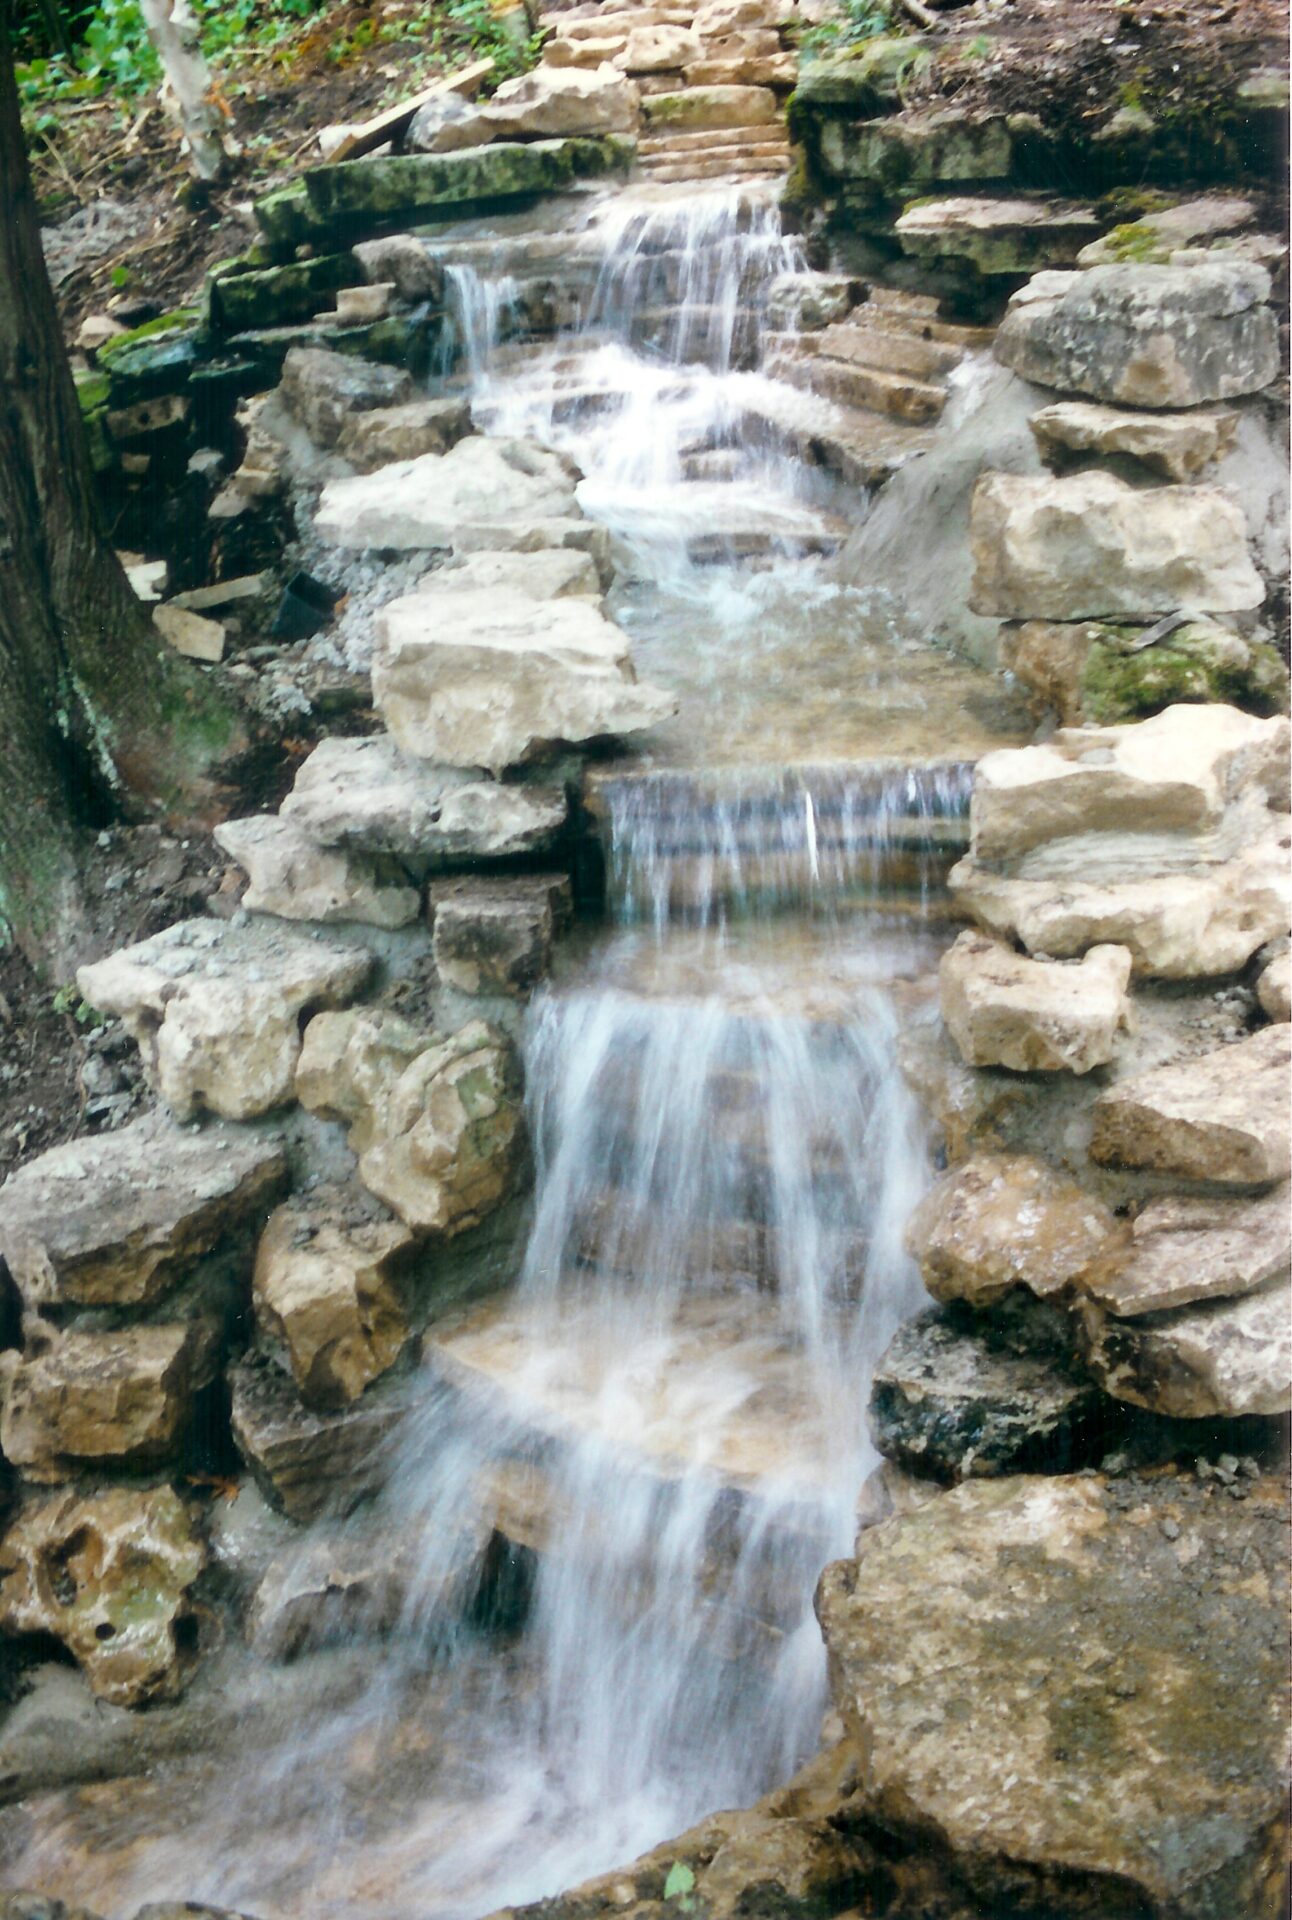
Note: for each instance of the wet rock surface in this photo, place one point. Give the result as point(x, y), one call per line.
point(309, 1463)
point(1001, 1221)
point(495, 936)
point(1222, 1117)
point(1004, 1010)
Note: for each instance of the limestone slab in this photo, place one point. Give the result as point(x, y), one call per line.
point(307, 1462)
point(323, 389)
point(216, 1007)
point(998, 236)
point(564, 100)
point(482, 493)
point(1006, 1220)
point(1177, 445)
point(1187, 1248)
point(1005, 1010)
point(495, 936)
point(386, 434)
point(1221, 1117)
point(291, 876)
point(1218, 1359)
point(697, 109)
point(114, 1220)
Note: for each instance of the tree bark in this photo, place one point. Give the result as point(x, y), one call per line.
point(187, 95)
point(92, 706)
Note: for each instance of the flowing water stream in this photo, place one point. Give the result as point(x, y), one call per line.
point(664, 1417)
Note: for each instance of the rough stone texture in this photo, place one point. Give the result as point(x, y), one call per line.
point(114, 1221)
point(1156, 236)
point(347, 199)
point(323, 389)
point(308, 1463)
point(1274, 988)
point(482, 493)
point(1177, 445)
point(1095, 672)
point(705, 109)
point(1174, 774)
point(109, 1575)
point(658, 50)
point(403, 261)
point(563, 100)
point(495, 936)
point(1216, 1360)
point(110, 1400)
point(960, 1395)
point(1220, 1117)
point(1004, 1010)
point(918, 153)
point(216, 1008)
point(1002, 1221)
point(291, 876)
point(551, 573)
point(1188, 1248)
point(324, 1288)
point(997, 236)
point(1071, 1694)
point(507, 679)
point(1146, 336)
point(375, 439)
point(447, 125)
point(1091, 546)
point(435, 1121)
point(807, 302)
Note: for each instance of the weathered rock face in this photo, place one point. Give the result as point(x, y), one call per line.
point(113, 1221)
point(306, 1462)
point(1177, 445)
point(661, 49)
point(109, 1575)
point(1221, 1117)
point(435, 1121)
point(1002, 1221)
point(1156, 236)
point(1004, 1010)
point(1092, 671)
point(119, 1399)
point(482, 493)
point(1187, 1248)
point(705, 109)
point(294, 878)
point(507, 679)
point(216, 1008)
point(325, 1289)
point(1090, 546)
point(447, 125)
point(367, 794)
point(495, 936)
point(1274, 988)
point(1146, 336)
point(996, 236)
point(1066, 1701)
point(1217, 1360)
point(403, 261)
point(959, 1394)
point(375, 439)
point(343, 198)
point(564, 100)
point(323, 390)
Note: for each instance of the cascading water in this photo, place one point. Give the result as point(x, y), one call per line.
point(657, 1437)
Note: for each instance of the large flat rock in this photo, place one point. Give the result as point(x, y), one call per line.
point(1176, 445)
point(1092, 546)
point(352, 198)
point(1005, 1010)
point(481, 493)
point(1218, 1359)
point(1221, 1117)
point(1145, 336)
point(216, 1008)
point(1184, 1249)
point(114, 1221)
point(295, 878)
point(370, 795)
point(1072, 1693)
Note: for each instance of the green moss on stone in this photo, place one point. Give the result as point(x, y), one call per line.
point(1196, 665)
point(276, 296)
point(354, 197)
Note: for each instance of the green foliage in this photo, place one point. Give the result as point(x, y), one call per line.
point(680, 1885)
point(489, 36)
point(862, 20)
point(68, 1001)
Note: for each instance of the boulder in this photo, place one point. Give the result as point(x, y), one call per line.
point(1091, 546)
point(115, 1220)
point(308, 1463)
point(1155, 237)
point(1002, 1221)
point(403, 261)
point(659, 50)
point(1220, 1117)
point(435, 1121)
point(387, 434)
point(1004, 1010)
point(1145, 336)
point(482, 493)
point(216, 1008)
point(448, 124)
point(1218, 1360)
point(291, 876)
point(1274, 987)
point(1176, 445)
point(807, 302)
point(495, 936)
point(507, 679)
point(902, 155)
point(960, 1395)
point(1187, 1248)
point(563, 100)
point(366, 794)
point(1093, 671)
point(997, 236)
point(108, 1574)
point(1176, 774)
point(323, 389)
point(1070, 1695)
point(106, 1400)
point(324, 1290)
point(706, 109)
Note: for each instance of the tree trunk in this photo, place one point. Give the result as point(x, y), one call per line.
point(92, 706)
point(173, 29)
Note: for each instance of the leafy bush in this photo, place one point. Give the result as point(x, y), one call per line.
point(859, 20)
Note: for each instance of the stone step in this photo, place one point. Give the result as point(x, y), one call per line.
point(1007, 237)
point(918, 326)
point(891, 352)
point(699, 108)
point(899, 300)
point(862, 448)
point(710, 138)
point(747, 70)
point(622, 1245)
point(897, 395)
point(741, 167)
point(608, 20)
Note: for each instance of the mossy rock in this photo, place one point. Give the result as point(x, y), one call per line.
point(866, 78)
point(276, 296)
point(917, 153)
point(155, 358)
point(287, 219)
point(1197, 664)
point(92, 389)
point(355, 197)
